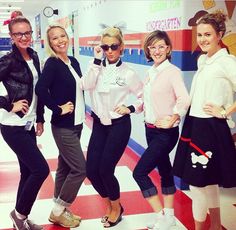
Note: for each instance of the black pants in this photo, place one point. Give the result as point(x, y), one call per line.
point(106, 146)
point(33, 167)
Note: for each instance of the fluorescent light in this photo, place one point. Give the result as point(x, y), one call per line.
point(4, 30)
point(5, 13)
point(11, 1)
point(10, 8)
point(4, 17)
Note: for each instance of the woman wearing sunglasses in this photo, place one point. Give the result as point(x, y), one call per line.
point(166, 100)
point(19, 72)
point(115, 81)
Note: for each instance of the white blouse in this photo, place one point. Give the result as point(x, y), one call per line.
point(110, 86)
point(10, 118)
point(214, 82)
point(79, 102)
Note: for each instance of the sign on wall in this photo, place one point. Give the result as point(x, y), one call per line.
point(37, 28)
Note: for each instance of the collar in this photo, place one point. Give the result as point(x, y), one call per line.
point(161, 67)
point(219, 53)
point(117, 64)
point(68, 63)
point(18, 55)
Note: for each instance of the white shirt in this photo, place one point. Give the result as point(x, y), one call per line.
point(79, 102)
point(10, 118)
point(214, 82)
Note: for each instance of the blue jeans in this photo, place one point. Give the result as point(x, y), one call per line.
point(33, 167)
point(160, 144)
point(106, 146)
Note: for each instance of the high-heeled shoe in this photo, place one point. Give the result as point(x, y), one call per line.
point(112, 224)
point(104, 219)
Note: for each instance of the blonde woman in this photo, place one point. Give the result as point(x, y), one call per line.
point(115, 81)
point(59, 89)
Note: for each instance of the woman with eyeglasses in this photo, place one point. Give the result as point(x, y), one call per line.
point(19, 72)
point(166, 100)
point(60, 89)
point(115, 81)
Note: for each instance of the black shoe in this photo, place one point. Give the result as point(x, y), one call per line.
point(18, 223)
point(112, 224)
point(32, 225)
point(104, 219)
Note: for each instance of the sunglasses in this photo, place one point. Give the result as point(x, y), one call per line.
point(113, 47)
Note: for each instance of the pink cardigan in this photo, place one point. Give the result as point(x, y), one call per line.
point(165, 93)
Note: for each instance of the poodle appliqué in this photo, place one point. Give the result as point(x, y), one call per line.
point(201, 159)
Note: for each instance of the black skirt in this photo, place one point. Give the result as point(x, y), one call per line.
point(206, 153)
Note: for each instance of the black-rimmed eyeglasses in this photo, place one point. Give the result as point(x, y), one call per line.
point(19, 35)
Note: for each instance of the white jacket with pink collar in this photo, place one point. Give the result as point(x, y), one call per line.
point(110, 86)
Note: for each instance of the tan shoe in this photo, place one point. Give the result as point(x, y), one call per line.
point(75, 216)
point(66, 219)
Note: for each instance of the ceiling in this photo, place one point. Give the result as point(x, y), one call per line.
point(29, 8)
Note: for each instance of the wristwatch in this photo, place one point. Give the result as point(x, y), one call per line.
point(223, 114)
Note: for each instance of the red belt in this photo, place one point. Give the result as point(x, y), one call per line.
point(150, 126)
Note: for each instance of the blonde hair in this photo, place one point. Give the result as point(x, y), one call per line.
point(48, 46)
point(114, 32)
point(216, 20)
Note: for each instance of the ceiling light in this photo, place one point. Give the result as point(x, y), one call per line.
point(5, 13)
point(4, 30)
point(4, 17)
point(11, 1)
point(10, 8)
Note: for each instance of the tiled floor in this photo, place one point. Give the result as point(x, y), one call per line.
point(88, 204)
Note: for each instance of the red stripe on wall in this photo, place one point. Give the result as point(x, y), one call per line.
point(181, 40)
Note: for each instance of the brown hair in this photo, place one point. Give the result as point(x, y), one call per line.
point(154, 36)
point(15, 14)
point(216, 20)
point(18, 19)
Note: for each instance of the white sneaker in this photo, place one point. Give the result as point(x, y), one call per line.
point(165, 223)
point(150, 225)
point(155, 222)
